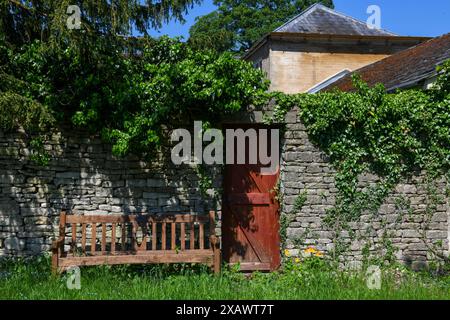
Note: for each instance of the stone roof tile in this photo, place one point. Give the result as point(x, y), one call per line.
point(323, 20)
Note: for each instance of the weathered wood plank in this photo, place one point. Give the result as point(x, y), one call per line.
point(62, 224)
point(173, 234)
point(192, 236)
point(143, 245)
point(149, 252)
point(154, 243)
point(103, 237)
point(133, 236)
point(83, 237)
point(249, 198)
point(163, 236)
point(58, 245)
point(133, 218)
point(113, 238)
point(123, 238)
point(93, 237)
point(201, 236)
point(216, 253)
point(155, 257)
point(212, 223)
point(183, 236)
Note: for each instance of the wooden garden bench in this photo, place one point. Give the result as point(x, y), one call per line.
point(135, 239)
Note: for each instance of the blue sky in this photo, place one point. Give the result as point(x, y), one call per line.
point(404, 17)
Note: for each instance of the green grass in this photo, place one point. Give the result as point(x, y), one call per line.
point(31, 279)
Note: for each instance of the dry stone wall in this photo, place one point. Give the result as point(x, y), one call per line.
point(407, 223)
point(83, 177)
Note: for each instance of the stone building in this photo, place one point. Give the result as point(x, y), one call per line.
point(320, 44)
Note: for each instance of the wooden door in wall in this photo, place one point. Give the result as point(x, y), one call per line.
point(250, 218)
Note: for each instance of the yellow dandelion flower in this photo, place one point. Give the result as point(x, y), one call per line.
point(287, 253)
point(297, 260)
point(311, 250)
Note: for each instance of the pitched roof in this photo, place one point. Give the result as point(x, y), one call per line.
point(404, 69)
point(325, 83)
point(323, 20)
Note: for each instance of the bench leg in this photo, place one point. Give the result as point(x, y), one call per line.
point(55, 264)
point(217, 262)
point(56, 269)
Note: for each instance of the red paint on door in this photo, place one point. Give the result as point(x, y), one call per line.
point(250, 219)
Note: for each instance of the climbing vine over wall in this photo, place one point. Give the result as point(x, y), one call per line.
point(134, 99)
point(131, 98)
point(369, 131)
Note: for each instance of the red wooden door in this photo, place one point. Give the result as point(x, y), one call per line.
point(250, 219)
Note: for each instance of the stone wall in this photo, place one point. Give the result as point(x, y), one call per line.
point(84, 177)
point(402, 220)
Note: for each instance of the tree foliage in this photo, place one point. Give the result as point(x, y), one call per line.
point(22, 21)
point(131, 100)
point(237, 24)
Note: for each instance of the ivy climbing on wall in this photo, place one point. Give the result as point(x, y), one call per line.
point(392, 136)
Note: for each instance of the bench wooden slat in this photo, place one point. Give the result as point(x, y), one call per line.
point(143, 245)
point(93, 237)
point(212, 223)
point(62, 223)
point(201, 235)
point(214, 242)
point(123, 238)
point(154, 257)
point(153, 235)
point(183, 236)
point(173, 234)
point(58, 244)
point(192, 236)
point(113, 238)
point(110, 218)
point(163, 236)
point(148, 252)
point(103, 237)
point(83, 237)
point(133, 236)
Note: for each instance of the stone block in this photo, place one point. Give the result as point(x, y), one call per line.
point(14, 243)
point(436, 234)
point(136, 183)
point(68, 175)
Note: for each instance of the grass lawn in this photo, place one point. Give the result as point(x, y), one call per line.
point(31, 279)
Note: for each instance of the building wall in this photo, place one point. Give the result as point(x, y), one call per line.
point(261, 59)
point(296, 72)
point(296, 65)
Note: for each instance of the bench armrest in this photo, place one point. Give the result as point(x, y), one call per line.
point(57, 245)
point(214, 241)
point(215, 247)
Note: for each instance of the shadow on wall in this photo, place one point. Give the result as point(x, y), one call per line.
point(84, 177)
